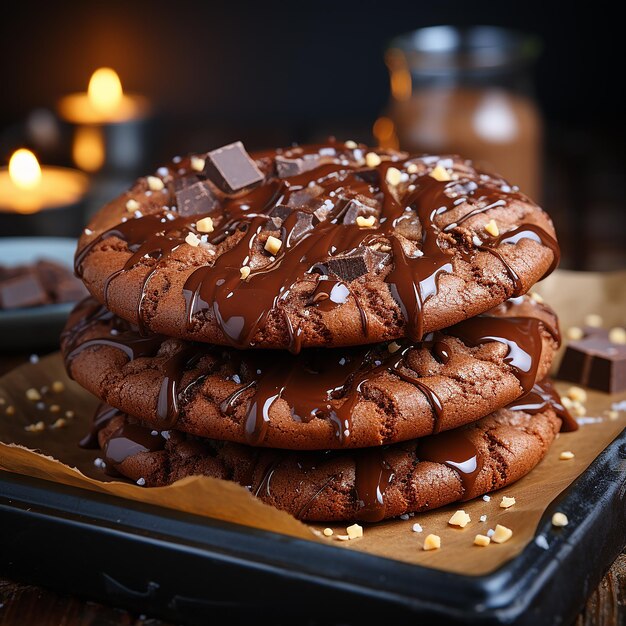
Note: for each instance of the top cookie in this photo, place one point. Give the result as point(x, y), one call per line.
point(326, 245)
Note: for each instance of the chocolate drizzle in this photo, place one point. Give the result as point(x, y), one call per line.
point(319, 225)
point(372, 476)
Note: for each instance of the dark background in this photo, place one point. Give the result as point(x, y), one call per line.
point(275, 72)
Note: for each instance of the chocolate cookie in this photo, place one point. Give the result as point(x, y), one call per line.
point(369, 485)
point(322, 398)
point(330, 245)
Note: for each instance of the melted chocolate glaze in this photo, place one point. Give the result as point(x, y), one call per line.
point(328, 192)
point(318, 383)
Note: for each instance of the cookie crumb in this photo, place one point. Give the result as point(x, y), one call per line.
point(57, 386)
point(197, 163)
point(365, 222)
point(577, 394)
point(192, 240)
point(205, 225)
point(372, 159)
point(559, 520)
point(575, 333)
point(154, 183)
point(328, 532)
point(432, 542)
point(244, 272)
point(593, 320)
point(460, 518)
point(617, 335)
point(566, 455)
point(33, 395)
point(440, 173)
point(417, 528)
point(393, 176)
point(343, 537)
point(482, 540)
point(501, 534)
point(273, 244)
point(507, 502)
point(355, 531)
point(492, 228)
point(37, 427)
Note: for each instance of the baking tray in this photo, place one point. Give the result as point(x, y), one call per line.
point(192, 569)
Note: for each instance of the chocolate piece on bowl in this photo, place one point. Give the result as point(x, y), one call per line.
point(595, 361)
point(366, 485)
point(321, 398)
point(485, 243)
point(24, 290)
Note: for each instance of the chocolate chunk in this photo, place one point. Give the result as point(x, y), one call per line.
point(59, 282)
point(304, 198)
point(369, 176)
point(346, 268)
point(22, 291)
point(595, 361)
point(194, 198)
point(353, 208)
point(231, 168)
point(286, 167)
point(296, 223)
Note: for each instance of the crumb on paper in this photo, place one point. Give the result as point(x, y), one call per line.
point(501, 534)
point(460, 518)
point(577, 394)
point(328, 532)
point(507, 502)
point(432, 542)
point(404, 516)
point(566, 455)
point(483, 518)
point(612, 414)
point(355, 531)
point(343, 537)
point(482, 540)
point(417, 528)
point(37, 427)
point(486, 498)
point(559, 519)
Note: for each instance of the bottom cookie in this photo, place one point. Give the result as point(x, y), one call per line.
point(366, 485)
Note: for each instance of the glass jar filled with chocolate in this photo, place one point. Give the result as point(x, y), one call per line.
point(469, 92)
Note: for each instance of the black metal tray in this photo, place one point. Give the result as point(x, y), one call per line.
point(192, 569)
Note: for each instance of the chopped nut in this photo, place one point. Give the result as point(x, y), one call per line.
point(593, 320)
point(617, 335)
point(351, 145)
point(343, 537)
point(205, 225)
point(273, 244)
point(577, 394)
point(566, 455)
point(482, 540)
point(60, 423)
point(440, 173)
point(355, 531)
point(328, 532)
point(10, 410)
point(574, 333)
point(417, 528)
point(492, 228)
point(57, 386)
point(244, 272)
point(33, 395)
point(69, 414)
point(502, 534)
point(394, 346)
point(54, 408)
point(393, 176)
point(432, 542)
point(579, 410)
point(507, 502)
point(372, 159)
point(612, 415)
point(35, 428)
point(537, 297)
point(365, 222)
point(412, 168)
point(132, 205)
point(197, 163)
point(192, 240)
point(460, 518)
point(155, 183)
point(559, 519)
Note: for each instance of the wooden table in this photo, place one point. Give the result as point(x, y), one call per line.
point(27, 605)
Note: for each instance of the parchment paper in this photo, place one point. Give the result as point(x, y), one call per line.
point(39, 454)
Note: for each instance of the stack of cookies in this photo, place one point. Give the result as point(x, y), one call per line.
point(341, 330)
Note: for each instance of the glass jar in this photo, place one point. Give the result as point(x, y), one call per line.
point(468, 92)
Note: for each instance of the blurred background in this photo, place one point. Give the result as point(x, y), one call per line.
point(539, 99)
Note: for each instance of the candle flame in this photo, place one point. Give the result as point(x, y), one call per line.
point(88, 149)
point(105, 90)
point(24, 169)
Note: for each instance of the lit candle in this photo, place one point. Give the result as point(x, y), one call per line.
point(109, 125)
point(38, 199)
